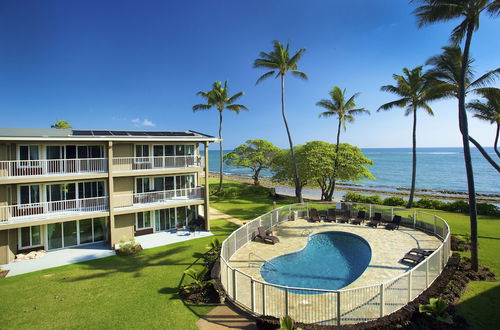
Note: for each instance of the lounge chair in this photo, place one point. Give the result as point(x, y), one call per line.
point(377, 219)
point(314, 215)
point(346, 217)
point(360, 218)
point(331, 215)
point(421, 252)
point(413, 258)
point(394, 224)
point(266, 236)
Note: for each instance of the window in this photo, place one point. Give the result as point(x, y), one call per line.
point(143, 220)
point(142, 185)
point(91, 189)
point(141, 150)
point(29, 153)
point(30, 236)
point(55, 152)
point(61, 192)
point(29, 194)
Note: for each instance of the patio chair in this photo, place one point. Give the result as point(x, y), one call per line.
point(346, 217)
point(421, 252)
point(394, 224)
point(331, 215)
point(314, 215)
point(266, 236)
point(360, 218)
point(413, 258)
point(376, 220)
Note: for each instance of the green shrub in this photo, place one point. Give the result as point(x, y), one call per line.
point(258, 190)
point(488, 209)
point(395, 201)
point(456, 206)
point(128, 248)
point(231, 192)
point(427, 203)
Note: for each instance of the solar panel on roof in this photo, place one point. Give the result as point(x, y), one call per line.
point(119, 133)
point(137, 133)
point(82, 132)
point(100, 133)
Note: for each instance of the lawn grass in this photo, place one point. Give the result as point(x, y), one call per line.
point(478, 302)
point(138, 291)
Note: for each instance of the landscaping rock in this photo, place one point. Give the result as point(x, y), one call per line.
point(31, 255)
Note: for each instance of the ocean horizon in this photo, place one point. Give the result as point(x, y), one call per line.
point(438, 169)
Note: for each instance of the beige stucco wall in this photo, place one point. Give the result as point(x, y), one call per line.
point(123, 187)
point(123, 149)
point(8, 245)
point(124, 228)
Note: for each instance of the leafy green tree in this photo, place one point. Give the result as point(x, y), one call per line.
point(489, 110)
point(255, 154)
point(316, 163)
point(469, 11)
point(287, 323)
point(445, 73)
point(344, 109)
point(218, 98)
point(279, 63)
point(415, 93)
point(61, 124)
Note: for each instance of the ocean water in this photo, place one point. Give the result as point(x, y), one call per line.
point(437, 169)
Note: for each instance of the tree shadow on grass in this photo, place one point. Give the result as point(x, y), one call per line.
point(129, 264)
point(478, 309)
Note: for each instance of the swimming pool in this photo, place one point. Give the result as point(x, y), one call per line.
point(330, 261)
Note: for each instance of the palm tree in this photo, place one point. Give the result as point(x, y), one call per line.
point(219, 98)
point(345, 110)
point(432, 11)
point(415, 91)
point(445, 73)
point(489, 110)
point(280, 63)
point(61, 124)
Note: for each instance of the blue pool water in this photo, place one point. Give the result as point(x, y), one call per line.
point(330, 260)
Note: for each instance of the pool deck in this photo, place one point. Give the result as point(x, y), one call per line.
point(388, 247)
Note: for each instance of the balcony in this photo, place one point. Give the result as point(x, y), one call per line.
point(127, 164)
point(51, 210)
point(51, 167)
point(157, 198)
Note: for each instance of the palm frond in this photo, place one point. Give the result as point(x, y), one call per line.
point(199, 107)
point(236, 107)
point(264, 76)
point(486, 79)
point(398, 103)
point(235, 97)
point(299, 74)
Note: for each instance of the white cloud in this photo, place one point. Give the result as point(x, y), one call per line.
point(143, 122)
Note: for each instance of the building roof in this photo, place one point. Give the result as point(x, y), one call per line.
point(104, 135)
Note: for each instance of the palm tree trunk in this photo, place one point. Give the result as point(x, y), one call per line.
point(496, 141)
point(220, 152)
point(462, 116)
point(298, 188)
point(484, 153)
point(332, 188)
point(414, 162)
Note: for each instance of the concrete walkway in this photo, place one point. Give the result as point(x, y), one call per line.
point(223, 316)
point(60, 258)
point(166, 237)
point(216, 214)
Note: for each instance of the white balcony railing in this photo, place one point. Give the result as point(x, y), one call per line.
point(147, 199)
point(43, 167)
point(124, 164)
point(56, 209)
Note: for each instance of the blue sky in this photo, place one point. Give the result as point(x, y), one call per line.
point(120, 64)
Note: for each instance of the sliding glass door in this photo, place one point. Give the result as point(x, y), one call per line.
point(72, 233)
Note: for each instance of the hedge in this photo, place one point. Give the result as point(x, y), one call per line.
point(425, 203)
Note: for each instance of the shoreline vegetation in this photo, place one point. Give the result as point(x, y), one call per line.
point(358, 188)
